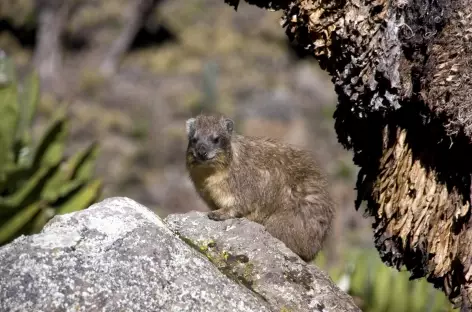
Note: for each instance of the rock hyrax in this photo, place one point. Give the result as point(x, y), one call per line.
point(265, 181)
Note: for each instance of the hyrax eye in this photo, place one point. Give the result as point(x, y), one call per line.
point(193, 140)
point(216, 140)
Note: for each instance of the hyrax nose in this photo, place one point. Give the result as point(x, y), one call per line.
point(202, 151)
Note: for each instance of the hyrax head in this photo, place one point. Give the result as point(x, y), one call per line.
point(209, 139)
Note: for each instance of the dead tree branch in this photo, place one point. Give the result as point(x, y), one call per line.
point(140, 12)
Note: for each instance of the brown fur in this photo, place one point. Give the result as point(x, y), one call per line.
point(265, 181)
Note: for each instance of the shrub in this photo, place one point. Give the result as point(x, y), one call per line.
point(36, 180)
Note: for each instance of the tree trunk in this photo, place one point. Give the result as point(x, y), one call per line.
point(402, 73)
point(140, 13)
point(52, 15)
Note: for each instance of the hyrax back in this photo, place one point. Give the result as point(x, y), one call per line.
point(265, 181)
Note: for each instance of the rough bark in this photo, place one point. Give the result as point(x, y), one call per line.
point(401, 70)
point(139, 14)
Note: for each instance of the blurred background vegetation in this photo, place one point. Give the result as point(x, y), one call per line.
point(96, 102)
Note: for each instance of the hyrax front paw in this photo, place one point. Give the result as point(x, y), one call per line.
point(220, 215)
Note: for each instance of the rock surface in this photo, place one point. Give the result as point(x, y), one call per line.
point(245, 251)
point(119, 256)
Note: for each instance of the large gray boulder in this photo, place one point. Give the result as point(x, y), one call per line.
point(119, 256)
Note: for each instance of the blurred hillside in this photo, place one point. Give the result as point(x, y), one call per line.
point(190, 56)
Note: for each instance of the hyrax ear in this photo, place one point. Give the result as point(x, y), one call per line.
point(229, 125)
point(190, 126)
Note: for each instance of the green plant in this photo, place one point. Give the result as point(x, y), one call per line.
point(36, 180)
point(379, 288)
